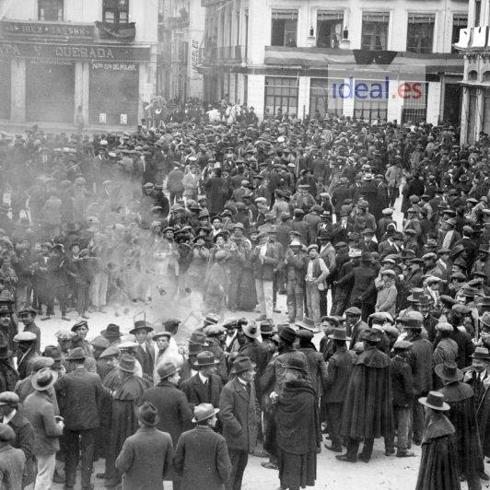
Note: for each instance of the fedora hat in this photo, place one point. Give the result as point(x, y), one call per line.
point(141, 325)
point(307, 324)
point(76, 354)
point(251, 330)
point(242, 364)
point(44, 379)
point(449, 372)
point(480, 353)
point(166, 369)
point(287, 334)
point(148, 414)
point(111, 332)
point(434, 400)
point(199, 338)
point(339, 334)
point(205, 359)
point(127, 364)
point(204, 411)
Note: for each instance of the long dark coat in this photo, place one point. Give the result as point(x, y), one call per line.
point(202, 459)
point(145, 459)
point(462, 415)
point(368, 410)
point(438, 465)
point(197, 392)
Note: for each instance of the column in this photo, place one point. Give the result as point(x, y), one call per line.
point(433, 102)
point(480, 109)
point(395, 103)
point(303, 97)
point(348, 101)
point(18, 91)
point(256, 94)
point(82, 89)
point(465, 105)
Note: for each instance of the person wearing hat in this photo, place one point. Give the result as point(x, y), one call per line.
point(316, 366)
point(165, 351)
point(80, 329)
point(354, 324)
point(201, 456)
point(446, 349)
point(40, 411)
point(8, 374)
point(112, 334)
point(296, 260)
point(367, 411)
point(12, 461)
point(316, 275)
point(127, 390)
point(146, 456)
point(238, 415)
point(27, 316)
point(339, 369)
point(297, 407)
point(205, 386)
point(11, 414)
point(387, 292)
point(145, 351)
point(461, 399)
point(26, 351)
point(439, 462)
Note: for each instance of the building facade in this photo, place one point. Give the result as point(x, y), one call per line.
point(474, 43)
point(64, 60)
point(285, 55)
point(181, 35)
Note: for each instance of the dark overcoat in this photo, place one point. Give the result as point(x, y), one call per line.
point(339, 369)
point(368, 412)
point(421, 361)
point(201, 458)
point(145, 459)
point(24, 439)
point(197, 392)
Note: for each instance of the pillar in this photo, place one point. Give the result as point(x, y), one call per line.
point(433, 102)
point(82, 89)
point(395, 103)
point(256, 94)
point(348, 102)
point(465, 107)
point(303, 97)
point(18, 90)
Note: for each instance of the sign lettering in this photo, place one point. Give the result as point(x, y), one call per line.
point(34, 29)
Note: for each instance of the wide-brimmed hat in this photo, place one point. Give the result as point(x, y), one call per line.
point(77, 354)
point(44, 379)
point(481, 353)
point(111, 332)
point(339, 334)
point(141, 325)
point(242, 364)
point(127, 364)
point(448, 372)
point(435, 400)
point(204, 411)
point(205, 359)
point(25, 337)
point(307, 324)
point(287, 334)
point(148, 414)
point(166, 369)
point(251, 330)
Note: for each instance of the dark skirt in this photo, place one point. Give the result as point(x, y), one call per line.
point(296, 470)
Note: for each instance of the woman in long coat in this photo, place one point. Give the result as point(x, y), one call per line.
point(298, 433)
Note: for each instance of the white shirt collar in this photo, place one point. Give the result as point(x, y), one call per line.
point(9, 417)
point(203, 378)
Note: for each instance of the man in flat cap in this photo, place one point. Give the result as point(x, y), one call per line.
point(12, 460)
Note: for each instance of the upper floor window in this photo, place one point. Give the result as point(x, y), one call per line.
point(477, 13)
point(51, 10)
point(284, 27)
point(420, 38)
point(460, 21)
point(375, 30)
point(329, 26)
point(116, 11)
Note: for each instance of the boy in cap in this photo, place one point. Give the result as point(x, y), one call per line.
point(27, 316)
point(201, 456)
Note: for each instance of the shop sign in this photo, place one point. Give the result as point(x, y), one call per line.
point(74, 52)
point(115, 66)
point(45, 30)
point(195, 55)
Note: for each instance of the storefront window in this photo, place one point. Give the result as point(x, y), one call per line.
point(116, 11)
point(420, 38)
point(415, 107)
point(329, 28)
point(375, 30)
point(51, 10)
point(281, 96)
point(322, 100)
point(284, 27)
point(371, 108)
point(460, 21)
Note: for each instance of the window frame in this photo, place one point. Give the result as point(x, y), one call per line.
point(332, 105)
point(372, 107)
point(337, 18)
point(107, 6)
point(365, 22)
point(286, 16)
point(40, 7)
point(281, 91)
point(457, 25)
point(416, 18)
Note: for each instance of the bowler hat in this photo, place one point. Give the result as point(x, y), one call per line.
point(448, 372)
point(44, 379)
point(111, 332)
point(339, 334)
point(242, 364)
point(166, 369)
point(76, 354)
point(204, 411)
point(205, 359)
point(127, 364)
point(7, 434)
point(287, 334)
point(148, 414)
point(434, 400)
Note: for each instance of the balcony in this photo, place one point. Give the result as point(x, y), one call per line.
point(122, 32)
point(223, 55)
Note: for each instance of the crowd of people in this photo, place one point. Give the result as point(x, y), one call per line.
point(386, 316)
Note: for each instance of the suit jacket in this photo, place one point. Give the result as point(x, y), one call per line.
point(238, 414)
point(146, 359)
point(145, 459)
point(201, 457)
point(421, 362)
point(355, 333)
point(80, 395)
point(39, 410)
point(12, 466)
point(173, 408)
point(197, 392)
